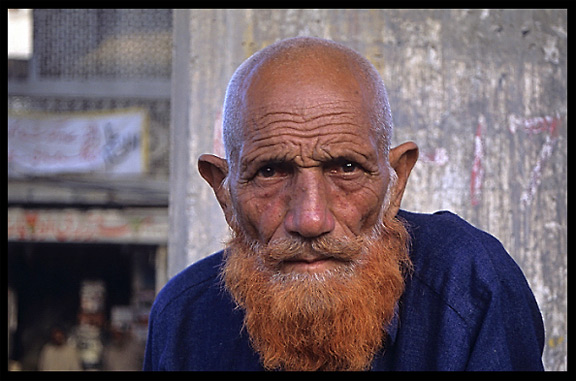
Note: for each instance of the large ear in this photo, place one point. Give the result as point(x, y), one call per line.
point(214, 170)
point(402, 160)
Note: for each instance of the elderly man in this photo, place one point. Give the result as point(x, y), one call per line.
point(323, 271)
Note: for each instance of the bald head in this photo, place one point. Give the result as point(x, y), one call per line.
point(308, 66)
point(306, 131)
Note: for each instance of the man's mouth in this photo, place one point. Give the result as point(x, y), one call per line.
point(309, 264)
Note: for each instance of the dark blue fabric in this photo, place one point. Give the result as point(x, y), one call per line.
point(467, 306)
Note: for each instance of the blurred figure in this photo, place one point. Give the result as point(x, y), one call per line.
point(122, 352)
point(58, 354)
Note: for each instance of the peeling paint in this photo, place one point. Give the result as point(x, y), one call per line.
point(438, 156)
point(477, 174)
point(535, 126)
point(218, 140)
point(536, 174)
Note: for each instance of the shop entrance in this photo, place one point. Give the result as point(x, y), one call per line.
point(75, 287)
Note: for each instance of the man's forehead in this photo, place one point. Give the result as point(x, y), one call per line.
point(300, 85)
point(321, 131)
point(304, 72)
point(306, 119)
point(305, 97)
point(294, 116)
point(301, 110)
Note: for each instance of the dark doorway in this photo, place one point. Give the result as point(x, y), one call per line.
point(47, 277)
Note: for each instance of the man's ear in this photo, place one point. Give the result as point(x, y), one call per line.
point(214, 170)
point(402, 160)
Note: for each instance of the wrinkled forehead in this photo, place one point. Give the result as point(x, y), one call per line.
point(302, 86)
point(303, 93)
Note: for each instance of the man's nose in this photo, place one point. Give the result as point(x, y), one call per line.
point(309, 214)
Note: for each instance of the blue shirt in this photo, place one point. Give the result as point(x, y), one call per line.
point(466, 306)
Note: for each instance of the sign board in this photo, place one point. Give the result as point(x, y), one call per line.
point(114, 142)
point(130, 225)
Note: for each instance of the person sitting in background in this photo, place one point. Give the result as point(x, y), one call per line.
point(122, 352)
point(58, 354)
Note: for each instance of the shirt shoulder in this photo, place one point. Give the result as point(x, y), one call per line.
point(194, 324)
point(462, 264)
point(460, 299)
point(443, 240)
point(193, 280)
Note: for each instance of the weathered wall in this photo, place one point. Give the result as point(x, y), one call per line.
point(483, 93)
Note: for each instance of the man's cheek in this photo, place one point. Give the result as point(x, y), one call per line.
point(271, 221)
point(359, 213)
point(261, 219)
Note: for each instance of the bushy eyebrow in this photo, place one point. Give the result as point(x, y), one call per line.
point(329, 151)
point(290, 164)
point(253, 165)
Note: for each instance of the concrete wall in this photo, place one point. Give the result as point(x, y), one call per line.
point(483, 93)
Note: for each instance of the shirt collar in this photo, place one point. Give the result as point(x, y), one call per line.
point(393, 327)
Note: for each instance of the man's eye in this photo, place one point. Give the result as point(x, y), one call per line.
point(273, 170)
point(345, 167)
point(267, 171)
point(349, 167)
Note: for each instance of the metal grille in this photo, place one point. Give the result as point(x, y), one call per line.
point(110, 43)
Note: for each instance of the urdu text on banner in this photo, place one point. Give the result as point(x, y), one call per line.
point(114, 142)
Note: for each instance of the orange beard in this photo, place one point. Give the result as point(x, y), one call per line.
point(330, 320)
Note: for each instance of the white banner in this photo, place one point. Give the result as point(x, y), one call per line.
point(114, 142)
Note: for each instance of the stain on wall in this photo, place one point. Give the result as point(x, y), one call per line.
point(482, 92)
